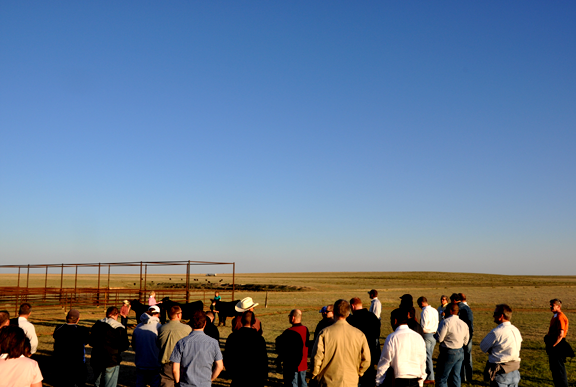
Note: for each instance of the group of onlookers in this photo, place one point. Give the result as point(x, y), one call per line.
point(345, 349)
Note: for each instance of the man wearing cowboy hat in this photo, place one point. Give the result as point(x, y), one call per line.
point(241, 307)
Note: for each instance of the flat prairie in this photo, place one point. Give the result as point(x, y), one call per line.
point(527, 295)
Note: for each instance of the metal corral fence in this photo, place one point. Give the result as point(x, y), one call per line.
point(102, 294)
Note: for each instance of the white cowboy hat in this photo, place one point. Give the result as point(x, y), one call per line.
point(245, 304)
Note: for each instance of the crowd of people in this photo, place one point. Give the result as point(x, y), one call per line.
point(344, 351)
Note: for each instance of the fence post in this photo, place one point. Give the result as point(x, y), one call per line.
point(233, 279)
point(98, 292)
point(45, 283)
point(188, 282)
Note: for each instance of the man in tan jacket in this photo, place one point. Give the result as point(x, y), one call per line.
point(341, 354)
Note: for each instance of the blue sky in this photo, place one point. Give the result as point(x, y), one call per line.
point(290, 136)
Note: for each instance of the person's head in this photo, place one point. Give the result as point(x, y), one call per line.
point(399, 317)
point(406, 301)
point(443, 300)
point(25, 310)
point(112, 312)
point(216, 294)
point(327, 311)
point(73, 316)
point(245, 304)
point(126, 302)
point(502, 313)
point(452, 308)
point(198, 321)
point(295, 316)
point(247, 318)
point(210, 315)
point(373, 293)
point(152, 293)
point(154, 311)
point(14, 342)
point(341, 309)
point(456, 298)
point(356, 303)
point(4, 318)
point(462, 297)
point(555, 305)
point(175, 313)
point(422, 302)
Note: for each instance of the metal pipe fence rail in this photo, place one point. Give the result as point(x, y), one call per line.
point(102, 294)
point(68, 298)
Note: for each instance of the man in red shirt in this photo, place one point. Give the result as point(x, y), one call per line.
point(556, 346)
point(292, 348)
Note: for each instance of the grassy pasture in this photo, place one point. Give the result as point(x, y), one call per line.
point(527, 295)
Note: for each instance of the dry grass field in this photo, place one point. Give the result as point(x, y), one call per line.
point(527, 295)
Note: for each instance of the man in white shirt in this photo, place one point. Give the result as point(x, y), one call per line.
point(405, 351)
point(375, 305)
point(429, 324)
point(452, 335)
point(23, 315)
point(503, 347)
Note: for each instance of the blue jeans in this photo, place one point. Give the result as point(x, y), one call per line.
point(466, 372)
point(295, 379)
point(511, 379)
point(107, 377)
point(449, 366)
point(430, 344)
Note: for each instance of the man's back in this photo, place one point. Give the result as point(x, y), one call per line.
point(466, 315)
point(453, 333)
point(69, 342)
point(369, 324)
point(340, 355)
point(246, 350)
point(404, 351)
point(144, 342)
point(108, 339)
point(196, 354)
point(324, 323)
point(168, 335)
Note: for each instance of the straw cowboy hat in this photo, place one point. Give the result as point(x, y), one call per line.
point(245, 304)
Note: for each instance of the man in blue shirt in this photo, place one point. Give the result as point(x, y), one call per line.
point(197, 359)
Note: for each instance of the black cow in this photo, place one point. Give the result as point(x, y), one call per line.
point(225, 309)
point(188, 308)
point(138, 308)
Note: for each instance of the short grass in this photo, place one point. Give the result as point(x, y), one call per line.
point(527, 295)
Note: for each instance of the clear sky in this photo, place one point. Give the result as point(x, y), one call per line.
point(290, 135)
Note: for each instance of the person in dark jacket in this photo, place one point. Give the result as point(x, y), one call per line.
point(292, 348)
point(245, 355)
point(108, 339)
point(210, 329)
point(70, 340)
point(327, 319)
point(369, 324)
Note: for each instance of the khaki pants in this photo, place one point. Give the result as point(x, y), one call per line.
point(166, 375)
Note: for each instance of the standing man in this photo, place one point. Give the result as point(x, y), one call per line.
point(246, 351)
point(375, 305)
point(465, 315)
point(368, 324)
point(144, 343)
point(22, 321)
point(70, 340)
point(405, 351)
point(246, 304)
point(341, 353)
point(503, 347)
point(108, 339)
point(429, 324)
point(442, 307)
point(292, 348)
point(196, 359)
point(168, 335)
point(327, 319)
point(452, 335)
point(556, 346)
